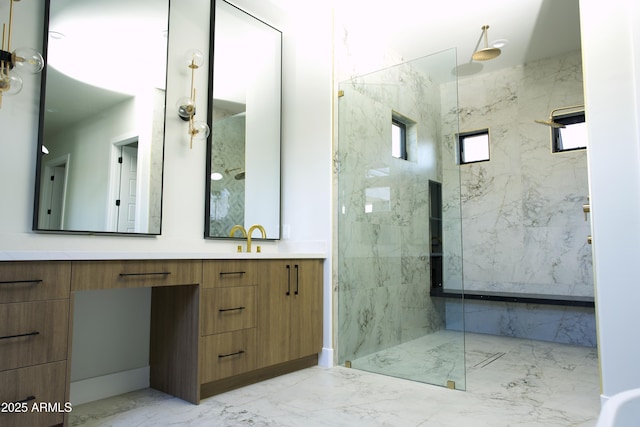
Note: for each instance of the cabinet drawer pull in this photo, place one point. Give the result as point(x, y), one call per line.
point(297, 280)
point(161, 273)
point(229, 273)
point(21, 282)
point(288, 280)
point(222, 310)
point(220, 356)
point(6, 337)
point(26, 399)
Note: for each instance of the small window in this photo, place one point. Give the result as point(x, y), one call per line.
point(398, 139)
point(573, 136)
point(474, 146)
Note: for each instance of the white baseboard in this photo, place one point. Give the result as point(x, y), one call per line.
point(97, 388)
point(326, 358)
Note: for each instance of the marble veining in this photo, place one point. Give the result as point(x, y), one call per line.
point(560, 324)
point(523, 225)
point(511, 382)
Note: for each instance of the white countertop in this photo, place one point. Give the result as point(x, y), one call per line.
point(55, 247)
point(122, 255)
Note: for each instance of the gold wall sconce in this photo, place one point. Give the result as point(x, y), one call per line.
point(187, 104)
point(22, 59)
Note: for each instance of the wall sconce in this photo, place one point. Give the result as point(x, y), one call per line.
point(25, 59)
point(187, 104)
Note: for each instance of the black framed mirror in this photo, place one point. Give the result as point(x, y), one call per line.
point(102, 109)
point(243, 150)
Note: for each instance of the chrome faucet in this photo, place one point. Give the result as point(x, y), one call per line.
point(253, 227)
point(244, 234)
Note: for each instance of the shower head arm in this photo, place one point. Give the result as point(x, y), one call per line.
point(551, 122)
point(486, 36)
point(571, 107)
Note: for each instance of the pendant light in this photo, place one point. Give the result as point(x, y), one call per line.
point(22, 59)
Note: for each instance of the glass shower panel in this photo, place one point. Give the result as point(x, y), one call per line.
point(399, 241)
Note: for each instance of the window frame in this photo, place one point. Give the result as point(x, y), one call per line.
point(463, 135)
point(395, 122)
point(567, 120)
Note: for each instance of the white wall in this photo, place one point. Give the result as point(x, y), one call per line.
point(611, 62)
point(86, 201)
point(306, 154)
point(306, 145)
point(523, 225)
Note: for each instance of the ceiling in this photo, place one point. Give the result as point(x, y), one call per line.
point(88, 70)
point(534, 29)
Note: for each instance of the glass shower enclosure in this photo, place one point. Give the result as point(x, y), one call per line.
point(399, 223)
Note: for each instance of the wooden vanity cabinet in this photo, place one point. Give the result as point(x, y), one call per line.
point(34, 342)
point(215, 324)
point(290, 316)
point(259, 319)
point(228, 308)
point(118, 274)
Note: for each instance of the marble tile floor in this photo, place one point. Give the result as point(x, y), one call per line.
point(521, 384)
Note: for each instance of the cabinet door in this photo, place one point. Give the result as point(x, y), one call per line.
point(115, 274)
point(34, 280)
point(32, 333)
point(35, 385)
point(274, 290)
point(228, 354)
point(226, 273)
point(290, 301)
point(228, 309)
point(306, 308)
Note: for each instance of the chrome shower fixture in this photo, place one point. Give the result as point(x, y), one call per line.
point(486, 53)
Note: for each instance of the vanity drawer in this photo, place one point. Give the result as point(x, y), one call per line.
point(87, 275)
point(228, 354)
point(33, 333)
point(223, 273)
point(34, 280)
point(228, 309)
point(42, 384)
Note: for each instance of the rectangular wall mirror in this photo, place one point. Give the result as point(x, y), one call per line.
point(243, 151)
point(101, 135)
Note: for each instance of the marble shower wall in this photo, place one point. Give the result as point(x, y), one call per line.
point(523, 225)
point(383, 223)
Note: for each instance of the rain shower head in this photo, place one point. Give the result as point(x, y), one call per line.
point(551, 123)
point(486, 53)
point(239, 176)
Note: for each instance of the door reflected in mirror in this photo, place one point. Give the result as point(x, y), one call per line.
point(101, 135)
point(243, 167)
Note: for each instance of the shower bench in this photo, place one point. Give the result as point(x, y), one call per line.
point(525, 298)
point(556, 318)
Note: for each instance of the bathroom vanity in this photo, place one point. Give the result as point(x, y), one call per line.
point(216, 324)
